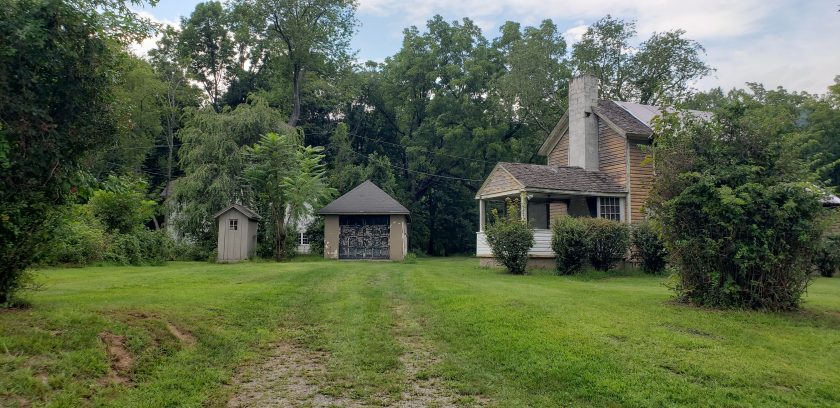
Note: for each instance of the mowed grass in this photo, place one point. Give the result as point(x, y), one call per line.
point(536, 340)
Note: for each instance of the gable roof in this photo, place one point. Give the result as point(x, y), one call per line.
point(241, 208)
point(366, 198)
point(560, 178)
point(620, 119)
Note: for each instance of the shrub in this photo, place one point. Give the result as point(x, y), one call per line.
point(315, 232)
point(510, 238)
point(827, 258)
point(609, 241)
point(570, 241)
point(122, 206)
point(410, 258)
point(141, 247)
point(648, 247)
point(77, 238)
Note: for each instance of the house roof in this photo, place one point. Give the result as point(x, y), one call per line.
point(366, 198)
point(561, 178)
point(241, 208)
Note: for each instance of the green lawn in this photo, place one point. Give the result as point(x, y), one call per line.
point(536, 340)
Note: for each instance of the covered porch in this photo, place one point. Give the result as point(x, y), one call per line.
point(544, 193)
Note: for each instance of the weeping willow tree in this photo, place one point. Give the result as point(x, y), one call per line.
point(288, 180)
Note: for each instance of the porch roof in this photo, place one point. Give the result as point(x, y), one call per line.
point(538, 177)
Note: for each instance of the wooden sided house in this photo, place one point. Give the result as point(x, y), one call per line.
point(595, 167)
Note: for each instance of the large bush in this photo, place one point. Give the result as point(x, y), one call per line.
point(510, 238)
point(570, 241)
point(648, 247)
point(609, 241)
point(140, 247)
point(77, 238)
point(827, 258)
point(739, 225)
point(122, 205)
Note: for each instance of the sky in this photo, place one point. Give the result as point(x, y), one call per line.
point(789, 43)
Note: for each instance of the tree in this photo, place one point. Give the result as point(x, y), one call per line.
point(207, 46)
point(211, 158)
point(310, 34)
point(57, 61)
point(605, 52)
point(665, 67)
point(288, 179)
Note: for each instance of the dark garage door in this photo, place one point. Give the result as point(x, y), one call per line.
point(363, 236)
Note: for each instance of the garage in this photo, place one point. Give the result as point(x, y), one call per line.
point(365, 223)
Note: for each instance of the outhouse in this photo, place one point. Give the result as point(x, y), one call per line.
point(365, 223)
point(237, 233)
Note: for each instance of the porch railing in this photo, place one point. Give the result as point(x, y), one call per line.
point(541, 248)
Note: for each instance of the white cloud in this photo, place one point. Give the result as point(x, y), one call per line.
point(574, 34)
point(141, 49)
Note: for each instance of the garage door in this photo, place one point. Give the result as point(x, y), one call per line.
point(363, 237)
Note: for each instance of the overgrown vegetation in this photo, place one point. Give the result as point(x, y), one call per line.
point(571, 242)
point(739, 223)
point(609, 241)
point(510, 238)
point(827, 257)
point(648, 247)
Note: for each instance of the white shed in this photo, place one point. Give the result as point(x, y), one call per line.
point(237, 233)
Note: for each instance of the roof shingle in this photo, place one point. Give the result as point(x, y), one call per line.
point(366, 198)
point(562, 178)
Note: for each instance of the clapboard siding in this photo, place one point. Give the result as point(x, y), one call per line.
point(641, 178)
point(541, 248)
point(499, 181)
point(612, 151)
point(559, 156)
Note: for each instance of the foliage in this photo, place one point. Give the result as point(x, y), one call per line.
point(410, 258)
point(510, 238)
point(77, 238)
point(609, 241)
point(122, 206)
point(207, 47)
point(661, 71)
point(648, 247)
point(140, 247)
point(55, 106)
point(571, 242)
point(315, 232)
point(288, 179)
point(738, 222)
point(827, 257)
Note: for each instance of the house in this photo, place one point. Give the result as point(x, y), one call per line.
point(595, 167)
point(365, 223)
point(237, 226)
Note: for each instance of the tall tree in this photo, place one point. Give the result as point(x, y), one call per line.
point(57, 61)
point(666, 66)
point(205, 42)
point(310, 34)
point(605, 52)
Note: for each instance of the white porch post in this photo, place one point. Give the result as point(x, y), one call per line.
point(523, 205)
point(481, 214)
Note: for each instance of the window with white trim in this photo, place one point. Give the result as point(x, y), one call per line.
point(304, 239)
point(233, 225)
point(610, 208)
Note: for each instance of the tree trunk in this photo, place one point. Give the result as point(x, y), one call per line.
point(297, 79)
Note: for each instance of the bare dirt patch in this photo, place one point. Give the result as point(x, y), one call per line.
point(291, 376)
point(422, 389)
point(120, 358)
point(186, 338)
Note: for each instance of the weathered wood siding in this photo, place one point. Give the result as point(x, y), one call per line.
point(398, 239)
point(499, 181)
point(641, 178)
point(559, 156)
point(612, 153)
point(541, 248)
point(238, 244)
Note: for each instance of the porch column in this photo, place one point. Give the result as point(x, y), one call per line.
point(481, 214)
point(523, 205)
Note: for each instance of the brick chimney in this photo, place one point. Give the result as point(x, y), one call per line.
point(583, 127)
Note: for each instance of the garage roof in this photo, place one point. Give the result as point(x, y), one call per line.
point(366, 198)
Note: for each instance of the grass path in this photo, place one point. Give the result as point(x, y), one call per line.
point(441, 332)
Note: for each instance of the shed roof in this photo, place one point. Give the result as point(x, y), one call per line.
point(241, 208)
point(560, 178)
point(366, 198)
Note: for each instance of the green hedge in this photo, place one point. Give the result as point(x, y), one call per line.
point(648, 247)
point(510, 238)
point(570, 241)
point(600, 242)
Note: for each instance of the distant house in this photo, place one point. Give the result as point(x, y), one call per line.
point(237, 226)
point(365, 223)
point(595, 167)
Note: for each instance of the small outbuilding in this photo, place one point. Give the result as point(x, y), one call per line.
point(237, 233)
point(365, 223)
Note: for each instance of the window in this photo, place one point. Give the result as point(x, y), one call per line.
point(610, 208)
point(234, 224)
point(304, 240)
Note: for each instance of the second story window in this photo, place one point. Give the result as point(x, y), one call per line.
point(610, 208)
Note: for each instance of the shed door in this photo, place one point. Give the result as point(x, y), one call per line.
point(363, 236)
